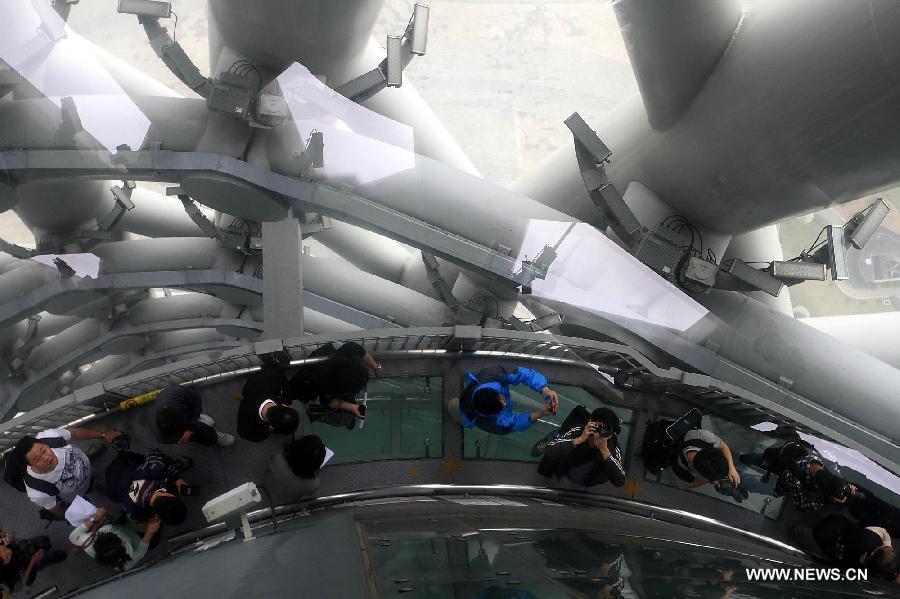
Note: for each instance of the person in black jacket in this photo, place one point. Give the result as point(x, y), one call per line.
point(149, 485)
point(179, 419)
point(20, 560)
point(850, 545)
point(584, 449)
point(266, 406)
point(330, 386)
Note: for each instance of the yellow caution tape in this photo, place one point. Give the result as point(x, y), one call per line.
point(139, 400)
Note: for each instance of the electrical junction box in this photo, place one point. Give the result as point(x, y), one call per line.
point(231, 95)
point(233, 502)
point(659, 250)
point(701, 271)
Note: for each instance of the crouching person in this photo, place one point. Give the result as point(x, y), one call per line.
point(179, 419)
point(22, 559)
point(293, 473)
point(850, 545)
point(584, 449)
point(113, 545)
point(149, 485)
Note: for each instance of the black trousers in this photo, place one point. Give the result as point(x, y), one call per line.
point(204, 434)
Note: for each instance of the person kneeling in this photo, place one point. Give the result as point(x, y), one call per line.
point(294, 472)
point(146, 486)
point(179, 419)
point(584, 449)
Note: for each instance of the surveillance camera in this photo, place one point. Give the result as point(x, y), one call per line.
point(233, 502)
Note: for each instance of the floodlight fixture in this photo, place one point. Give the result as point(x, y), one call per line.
point(837, 253)
point(394, 73)
point(420, 29)
point(588, 138)
point(754, 277)
point(798, 270)
point(146, 8)
point(866, 223)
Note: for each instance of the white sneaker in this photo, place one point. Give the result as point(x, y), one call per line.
point(207, 420)
point(225, 440)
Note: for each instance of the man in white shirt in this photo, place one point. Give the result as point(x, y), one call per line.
point(53, 470)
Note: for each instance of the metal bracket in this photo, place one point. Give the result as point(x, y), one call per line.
point(592, 154)
point(17, 251)
point(432, 271)
point(400, 51)
point(174, 56)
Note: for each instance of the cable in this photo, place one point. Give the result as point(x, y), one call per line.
point(243, 67)
point(175, 27)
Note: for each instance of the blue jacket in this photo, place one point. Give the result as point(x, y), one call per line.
point(506, 421)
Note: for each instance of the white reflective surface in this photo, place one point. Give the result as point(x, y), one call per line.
point(360, 145)
point(849, 458)
point(84, 265)
point(593, 273)
point(35, 42)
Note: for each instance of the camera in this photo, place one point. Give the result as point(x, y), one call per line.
point(726, 487)
point(844, 492)
point(189, 490)
point(603, 429)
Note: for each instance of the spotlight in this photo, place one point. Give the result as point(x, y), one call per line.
point(146, 8)
point(394, 73)
point(754, 277)
point(420, 29)
point(837, 253)
point(799, 271)
point(862, 226)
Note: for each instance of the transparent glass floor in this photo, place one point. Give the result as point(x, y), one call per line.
point(517, 446)
point(740, 440)
point(404, 420)
point(486, 563)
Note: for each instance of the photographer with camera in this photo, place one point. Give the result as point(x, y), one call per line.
point(485, 402)
point(705, 458)
point(584, 449)
point(802, 475)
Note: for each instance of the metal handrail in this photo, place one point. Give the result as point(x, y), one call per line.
point(765, 402)
point(260, 519)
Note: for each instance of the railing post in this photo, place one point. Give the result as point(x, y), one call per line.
point(271, 351)
point(464, 338)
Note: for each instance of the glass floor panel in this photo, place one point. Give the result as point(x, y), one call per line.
point(517, 446)
point(740, 439)
point(404, 420)
point(485, 563)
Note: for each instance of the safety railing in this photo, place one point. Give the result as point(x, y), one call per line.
point(754, 400)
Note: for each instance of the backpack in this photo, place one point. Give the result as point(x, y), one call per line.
point(661, 443)
point(778, 459)
point(16, 474)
